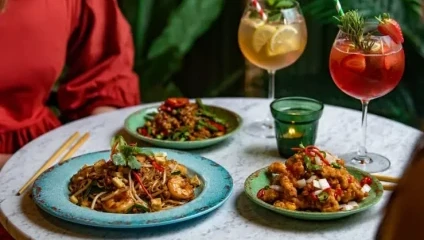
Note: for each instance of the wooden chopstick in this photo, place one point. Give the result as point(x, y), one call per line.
point(74, 148)
point(386, 178)
point(389, 187)
point(49, 162)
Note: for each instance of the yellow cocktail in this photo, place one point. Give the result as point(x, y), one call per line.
point(271, 36)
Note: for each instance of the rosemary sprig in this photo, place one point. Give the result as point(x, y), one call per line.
point(352, 23)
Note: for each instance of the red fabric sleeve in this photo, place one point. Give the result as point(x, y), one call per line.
point(100, 61)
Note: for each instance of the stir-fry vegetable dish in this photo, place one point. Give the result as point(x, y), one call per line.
point(179, 120)
point(133, 181)
point(313, 180)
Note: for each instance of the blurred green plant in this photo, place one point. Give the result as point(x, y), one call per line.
point(407, 12)
point(166, 32)
point(160, 56)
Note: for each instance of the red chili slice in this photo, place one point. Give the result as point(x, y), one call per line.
point(176, 102)
point(157, 166)
point(218, 126)
point(338, 192)
point(366, 180)
point(314, 197)
point(143, 131)
point(260, 194)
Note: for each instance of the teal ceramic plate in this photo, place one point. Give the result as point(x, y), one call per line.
point(137, 119)
point(50, 193)
point(259, 179)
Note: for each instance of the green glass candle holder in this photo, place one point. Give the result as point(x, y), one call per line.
point(296, 121)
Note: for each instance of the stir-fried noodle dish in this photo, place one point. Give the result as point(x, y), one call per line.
point(179, 120)
point(132, 181)
point(313, 180)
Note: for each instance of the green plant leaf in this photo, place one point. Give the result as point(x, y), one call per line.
point(119, 159)
point(190, 20)
point(133, 163)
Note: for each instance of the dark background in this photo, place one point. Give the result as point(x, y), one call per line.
point(189, 48)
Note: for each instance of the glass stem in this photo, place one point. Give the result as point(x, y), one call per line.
point(271, 93)
point(362, 150)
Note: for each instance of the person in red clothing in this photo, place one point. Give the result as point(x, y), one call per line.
point(38, 38)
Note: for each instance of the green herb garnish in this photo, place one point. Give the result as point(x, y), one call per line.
point(274, 7)
point(124, 155)
point(336, 165)
point(323, 196)
point(352, 23)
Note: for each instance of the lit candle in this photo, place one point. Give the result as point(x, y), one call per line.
point(292, 133)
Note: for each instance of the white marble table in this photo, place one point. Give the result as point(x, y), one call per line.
point(238, 218)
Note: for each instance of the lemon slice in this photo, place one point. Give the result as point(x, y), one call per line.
point(262, 35)
point(376, 48)
point(284, 40)
point(254, 23)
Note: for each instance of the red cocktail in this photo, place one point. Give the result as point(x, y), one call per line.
point(367, 62)
point(369, 75)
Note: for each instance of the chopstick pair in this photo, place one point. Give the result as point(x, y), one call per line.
point(55, 155)
point(388, 187)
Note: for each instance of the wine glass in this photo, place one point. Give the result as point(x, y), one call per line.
point(272, 42)
point(366, 74)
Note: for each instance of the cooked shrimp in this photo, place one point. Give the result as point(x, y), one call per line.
point(120, 203)
point(180, 188)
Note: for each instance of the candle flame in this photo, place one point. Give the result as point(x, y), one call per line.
point(292, 131)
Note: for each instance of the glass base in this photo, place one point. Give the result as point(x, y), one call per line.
point(262, 129)
point(371, 163)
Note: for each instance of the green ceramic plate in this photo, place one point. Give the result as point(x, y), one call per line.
point(137, 119)
point(259, 179)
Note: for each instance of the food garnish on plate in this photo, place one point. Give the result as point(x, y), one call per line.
point(313, 180)
point(179, 120)
point(132, 181)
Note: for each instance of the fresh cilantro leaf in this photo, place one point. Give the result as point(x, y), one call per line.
point(119, 159)
point(142, 151)
point(118, 139)
point(270, 2)
point(133, 163)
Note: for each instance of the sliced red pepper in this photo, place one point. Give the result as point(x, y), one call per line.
point(165, 108)
point(138, 178)
point(157, 166)
point(350, 179)
point(338, 192)
point(143, 131)
point(313, 151)
point(176, 102)
point(313, 196)
point(366, 180)
point(260, 194)
point(218, 126)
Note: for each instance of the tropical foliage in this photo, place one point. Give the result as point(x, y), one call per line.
point(169, 33)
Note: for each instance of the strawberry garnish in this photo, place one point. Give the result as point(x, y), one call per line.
point(354, 62)
point(389, 26)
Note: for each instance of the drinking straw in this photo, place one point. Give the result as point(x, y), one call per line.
point(339, 8)
point(258, 7)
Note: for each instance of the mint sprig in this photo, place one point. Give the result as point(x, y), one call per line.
point(274, 7)
point(124, 154)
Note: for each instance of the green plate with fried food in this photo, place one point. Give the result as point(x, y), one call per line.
point(313, 185)
point(180, 124)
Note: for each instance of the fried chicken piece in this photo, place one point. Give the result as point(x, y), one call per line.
point(289, 191)
point(278, 167)
point(270, 195)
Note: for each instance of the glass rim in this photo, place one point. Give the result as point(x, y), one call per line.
point(311, 116)
point(296, 5)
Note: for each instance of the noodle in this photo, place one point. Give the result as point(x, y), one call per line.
point(156, 185)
